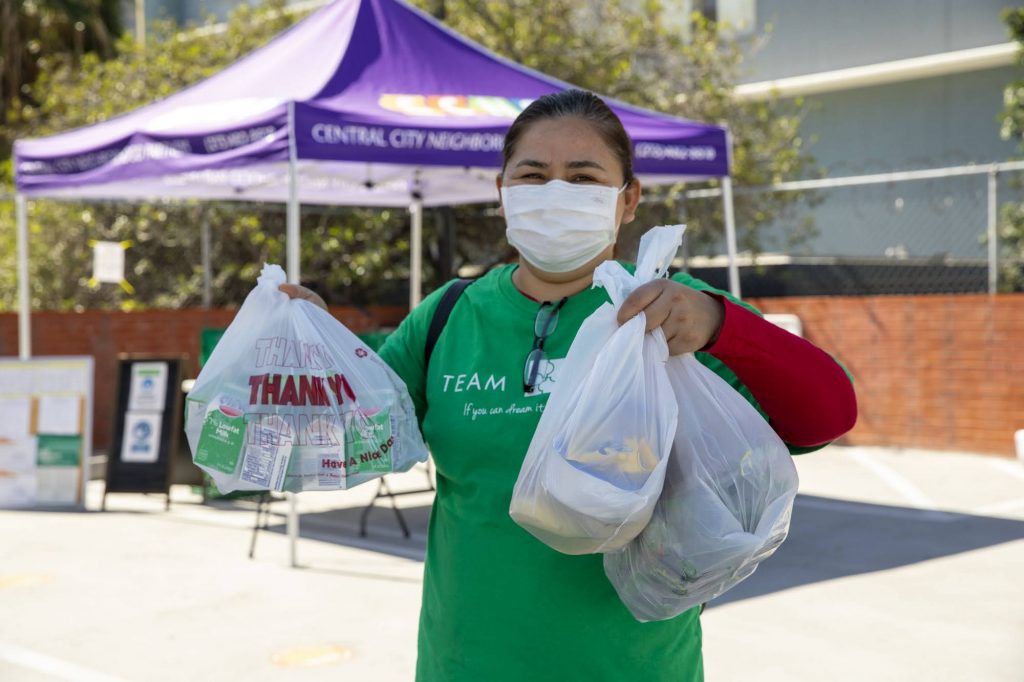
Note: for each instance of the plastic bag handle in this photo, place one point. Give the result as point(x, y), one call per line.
point(658, 247)
point(271, 275)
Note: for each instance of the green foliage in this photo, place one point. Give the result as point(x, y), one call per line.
point(32, 31)
point(1011, 215)
point(629, 51)
point(1012, 118)
point(72, 94)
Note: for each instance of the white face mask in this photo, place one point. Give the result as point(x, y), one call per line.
point(559, 226)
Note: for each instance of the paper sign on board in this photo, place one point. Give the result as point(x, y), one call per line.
point(60, 415)
point(141, 439)
point(15, 417)
point(108, 262)
point(149, 386)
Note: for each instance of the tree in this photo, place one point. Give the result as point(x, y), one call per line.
point(1011, 217)
point(34, 30)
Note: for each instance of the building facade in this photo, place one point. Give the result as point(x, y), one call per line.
point(890, 85)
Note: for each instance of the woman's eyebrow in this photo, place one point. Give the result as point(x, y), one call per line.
point(585, 164)
point(533, 163)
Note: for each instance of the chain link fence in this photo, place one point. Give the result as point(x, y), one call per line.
point(895, 233)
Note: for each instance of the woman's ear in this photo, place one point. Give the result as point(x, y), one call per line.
point(631, 200)
point(497, 183)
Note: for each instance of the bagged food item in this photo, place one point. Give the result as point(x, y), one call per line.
point(290, 400)
point(725, 506)
point(596, 463)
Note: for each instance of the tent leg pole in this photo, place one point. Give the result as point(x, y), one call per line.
point(292, 263)
point(204, 245)
point(416, 253)
point(24, 300)
point(730, 236)
point(292, 227)
point(293, 529)
point(993, 233)
point(292, 230)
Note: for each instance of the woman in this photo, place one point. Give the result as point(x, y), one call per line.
point(497, 603)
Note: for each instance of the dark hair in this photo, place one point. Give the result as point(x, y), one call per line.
point(577, 104)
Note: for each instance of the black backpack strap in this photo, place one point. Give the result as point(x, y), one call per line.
point(441, 315)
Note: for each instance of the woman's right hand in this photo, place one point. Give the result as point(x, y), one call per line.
point(302, 293)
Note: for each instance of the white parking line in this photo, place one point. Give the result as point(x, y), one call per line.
point(910, 492)
point(54, 667)
point(997, 507)
point(1008, 467)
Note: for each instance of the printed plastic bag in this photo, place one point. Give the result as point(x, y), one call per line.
point(596, 463)
point(725, 506)
point(291, 400)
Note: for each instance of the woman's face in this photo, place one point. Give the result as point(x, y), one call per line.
point(572, 150)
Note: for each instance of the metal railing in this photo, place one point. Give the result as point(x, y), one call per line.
point(947, 215)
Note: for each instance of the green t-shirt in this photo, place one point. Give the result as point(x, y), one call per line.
point(498, 604)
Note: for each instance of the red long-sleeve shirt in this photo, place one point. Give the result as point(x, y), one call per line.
point(806, 394)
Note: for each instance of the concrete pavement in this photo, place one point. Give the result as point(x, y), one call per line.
point(900, 566)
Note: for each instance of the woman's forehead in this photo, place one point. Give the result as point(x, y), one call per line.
point(563, 140)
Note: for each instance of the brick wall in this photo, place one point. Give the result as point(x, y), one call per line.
point(936, 372)
point(943, 372)
point(104, 334)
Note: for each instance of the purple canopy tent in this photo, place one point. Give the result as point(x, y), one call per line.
point(364, 103)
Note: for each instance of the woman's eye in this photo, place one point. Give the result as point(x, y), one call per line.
point(583, 178)
point(531, 176)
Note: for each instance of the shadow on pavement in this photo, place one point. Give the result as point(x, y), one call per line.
point(828, 539)
point(831, 538)
point(383, 533)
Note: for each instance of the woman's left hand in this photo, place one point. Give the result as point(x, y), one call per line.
point(690, 319)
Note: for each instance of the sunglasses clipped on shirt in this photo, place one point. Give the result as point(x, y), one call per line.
point(543, 326)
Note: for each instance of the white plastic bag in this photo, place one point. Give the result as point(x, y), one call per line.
point(725, 506)
point(596, 463)
point(291, 400)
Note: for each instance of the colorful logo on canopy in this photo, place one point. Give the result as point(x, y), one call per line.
point(435, 106)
